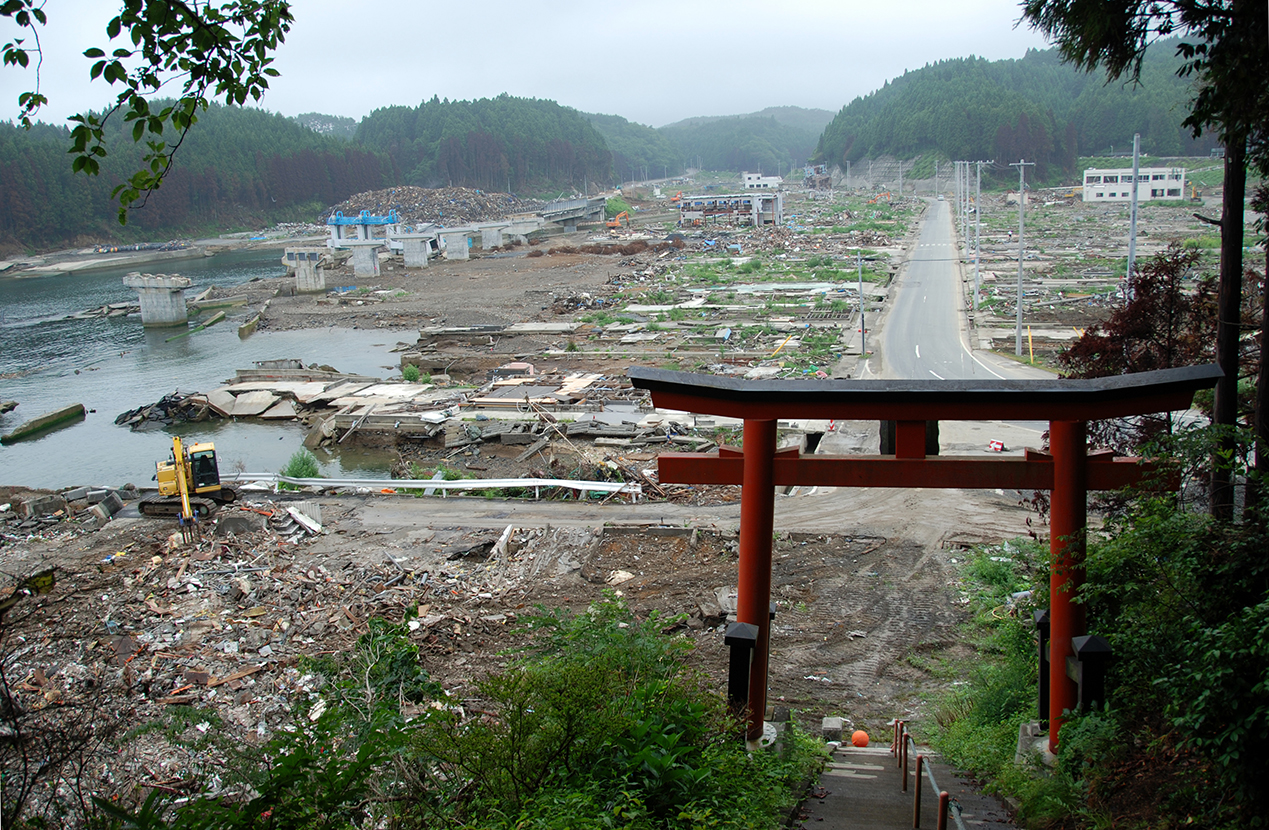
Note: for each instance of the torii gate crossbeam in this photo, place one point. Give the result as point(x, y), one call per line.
point(1069, 472)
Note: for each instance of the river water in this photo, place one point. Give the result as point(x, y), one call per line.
point(112, 365)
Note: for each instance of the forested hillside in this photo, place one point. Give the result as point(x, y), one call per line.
point(636, 147)
point(1035, 108)
point(741, 143)
point(773, 140)
point(238, 166)
point(336, 126)
point(501, 143)
point(800, 118)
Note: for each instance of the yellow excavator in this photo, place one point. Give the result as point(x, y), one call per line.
point(189, 484)
point(616, 221)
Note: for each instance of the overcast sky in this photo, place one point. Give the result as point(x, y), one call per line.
point(651, 61)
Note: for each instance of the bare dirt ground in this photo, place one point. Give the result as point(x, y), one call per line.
point(498, 289)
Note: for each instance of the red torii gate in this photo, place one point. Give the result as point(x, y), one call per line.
point(1069, 471)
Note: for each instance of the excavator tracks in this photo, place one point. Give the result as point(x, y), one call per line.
point(159, 507)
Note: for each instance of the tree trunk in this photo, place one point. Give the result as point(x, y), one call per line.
point(1229, 303)
point(1256, 490)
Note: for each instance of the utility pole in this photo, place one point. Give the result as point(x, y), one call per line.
point(978, 235)
point(859, 262)
point(1132, 210)
point(965, 204)
point(961, 167)
point(936, 176)
point(901, 178)
point(1022, 165)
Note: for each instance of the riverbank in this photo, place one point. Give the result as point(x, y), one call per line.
point(104, 258)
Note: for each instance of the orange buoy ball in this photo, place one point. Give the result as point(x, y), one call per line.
point(859, 738)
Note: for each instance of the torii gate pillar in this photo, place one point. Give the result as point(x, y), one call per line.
point(757, 522)
point(1068, 518)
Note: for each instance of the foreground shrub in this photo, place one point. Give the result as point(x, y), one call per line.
point(600, 723)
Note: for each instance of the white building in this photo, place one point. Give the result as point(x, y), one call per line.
point(757, 181)
point(756, 209)
point(1115, 185)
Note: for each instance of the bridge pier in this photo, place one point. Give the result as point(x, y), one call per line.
point(454, 241)
point(490, 237)
point(310, 276)
point(162, 298)
point(365, 256)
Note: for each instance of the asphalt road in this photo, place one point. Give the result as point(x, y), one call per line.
point(923, 333)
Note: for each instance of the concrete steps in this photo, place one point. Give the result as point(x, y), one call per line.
point(861, 789)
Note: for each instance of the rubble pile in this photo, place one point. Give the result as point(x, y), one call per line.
point(222, 624)
point(637, 246)
point(178, 407)
point(27, 513)
point(448, 206)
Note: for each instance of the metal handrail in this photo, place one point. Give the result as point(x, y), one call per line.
point(612, 487)
point(900, 741)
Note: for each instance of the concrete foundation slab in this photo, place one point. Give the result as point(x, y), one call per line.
point(282, 410)
point(253, 403)
point(221, 401)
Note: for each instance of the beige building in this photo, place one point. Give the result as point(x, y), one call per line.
point(1115, 185)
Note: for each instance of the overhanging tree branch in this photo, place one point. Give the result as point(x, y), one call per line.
point(216, 51)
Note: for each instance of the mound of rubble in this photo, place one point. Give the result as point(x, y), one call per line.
point(448, 206)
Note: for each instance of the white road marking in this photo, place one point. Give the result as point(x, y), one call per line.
point(932, 372)
point(918, 351)
point(985, 366)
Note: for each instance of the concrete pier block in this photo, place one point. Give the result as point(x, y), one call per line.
point(365, 261)
point(490, 238)
point(310, 277)
point(162, 298)
point(417, 251)
point(456, 244)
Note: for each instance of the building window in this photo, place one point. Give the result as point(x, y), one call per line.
point(1158, 177)
point(1155, 192)
point(1093, 180)
point(1174, 191)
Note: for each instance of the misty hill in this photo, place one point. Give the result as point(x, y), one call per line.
point(1035, 108)
point(501, 143)
point(237, 167)
point(742, 143)
point(813, 120)
point(636, 147)
point(335, 126)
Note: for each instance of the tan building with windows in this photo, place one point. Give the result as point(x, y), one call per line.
point(1153, 183)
